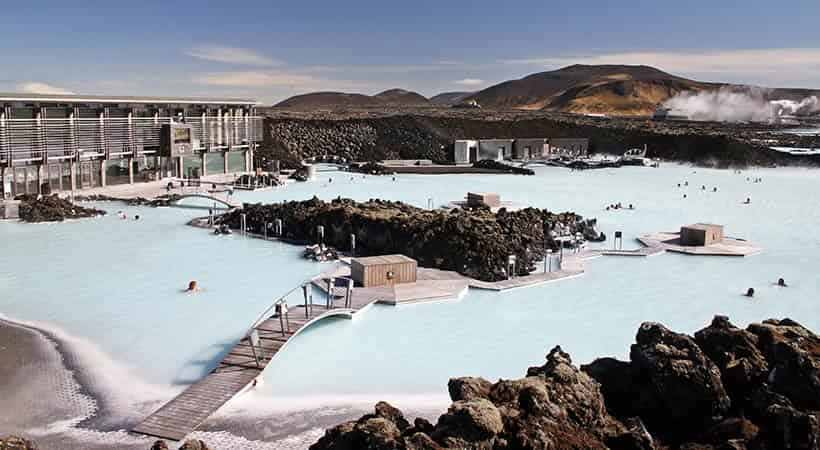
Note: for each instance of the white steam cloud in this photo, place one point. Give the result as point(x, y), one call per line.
point(734, 105)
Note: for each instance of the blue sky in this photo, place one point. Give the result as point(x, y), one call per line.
point(270, 51)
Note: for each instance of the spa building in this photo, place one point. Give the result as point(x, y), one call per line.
point(52, 143)
point(468, 151)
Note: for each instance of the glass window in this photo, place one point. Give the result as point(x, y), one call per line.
point(116, 172)
point(236, 162)
point(192, 166)
point(215, 163)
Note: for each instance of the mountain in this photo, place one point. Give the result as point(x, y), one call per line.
point(391, 97)
point(401, 97)
point(325, 99)
point(601, 89)
point(449, 98)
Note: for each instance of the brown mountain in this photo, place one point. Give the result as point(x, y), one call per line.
point(391, 97)
point(327, 99)
point(449, 98)
point(603, 89)
point(401, 97)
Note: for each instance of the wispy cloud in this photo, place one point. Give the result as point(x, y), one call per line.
point(34, 87)
point(470, 82)
point(256, 79)
point(232, 55)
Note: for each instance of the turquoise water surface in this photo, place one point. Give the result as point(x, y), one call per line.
point(114, 285)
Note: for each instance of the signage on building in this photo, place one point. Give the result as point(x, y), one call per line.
point(176, 140)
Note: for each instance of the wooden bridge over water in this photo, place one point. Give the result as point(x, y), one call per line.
point(245, 362)
point(213, 198)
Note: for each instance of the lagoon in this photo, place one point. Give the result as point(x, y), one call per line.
point(112, 287)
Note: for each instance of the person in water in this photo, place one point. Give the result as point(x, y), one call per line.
point(748, 201)
point(781, 282)
point(192, 286)
point(750, 292)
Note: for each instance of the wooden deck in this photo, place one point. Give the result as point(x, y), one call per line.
point(237, 371)
point(670, 241)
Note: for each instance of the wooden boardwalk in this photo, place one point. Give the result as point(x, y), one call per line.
point(237, 370)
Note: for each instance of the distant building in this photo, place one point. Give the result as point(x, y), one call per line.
point(573, 147)
point(468, 151)
point(67, 142)
point(384, 270)
point(489, 199)
point(533, 148)
point(701, 234)
point(495, 149)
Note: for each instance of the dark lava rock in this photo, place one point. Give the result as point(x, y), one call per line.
point(194, 444)
point(52, 208)
point(634, 437)
point(670, 384)
point(793, 354)
point(476, 243)
point(677, 386)
point(16, 443)
point(495, 165)
point(617, 386)
point(393, 414)
point(468, 421)
point(468, 388)
point(735, 351)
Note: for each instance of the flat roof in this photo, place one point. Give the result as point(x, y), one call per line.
point(384, 259)
point(702, 226)
point(78, 98)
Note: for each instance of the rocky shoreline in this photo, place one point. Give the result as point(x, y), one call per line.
point(52, 208)
point(475, 242)
point(726, 388)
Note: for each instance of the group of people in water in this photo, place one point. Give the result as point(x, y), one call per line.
point(617, 206)
point(122, 215)
point(751, 291)
point(703, 187)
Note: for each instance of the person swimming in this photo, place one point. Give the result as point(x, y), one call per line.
point(748, 201)
point(192, 286)
point(750, 292)
point(781, 282)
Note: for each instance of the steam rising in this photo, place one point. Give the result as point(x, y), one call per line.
point(733, 105)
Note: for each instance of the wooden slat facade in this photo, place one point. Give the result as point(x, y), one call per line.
point(385, 270)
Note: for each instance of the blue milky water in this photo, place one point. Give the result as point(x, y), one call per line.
point(116, 283)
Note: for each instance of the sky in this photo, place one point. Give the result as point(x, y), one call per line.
point(271, 50)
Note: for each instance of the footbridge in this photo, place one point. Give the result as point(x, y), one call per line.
point(212, 198)
point(246, 361)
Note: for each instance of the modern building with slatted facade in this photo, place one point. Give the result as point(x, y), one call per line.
point(71, 142)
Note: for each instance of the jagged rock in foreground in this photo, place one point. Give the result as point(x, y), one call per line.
point(724, 389)
point(16, 443)
point(476, 243)
point(52, 208)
